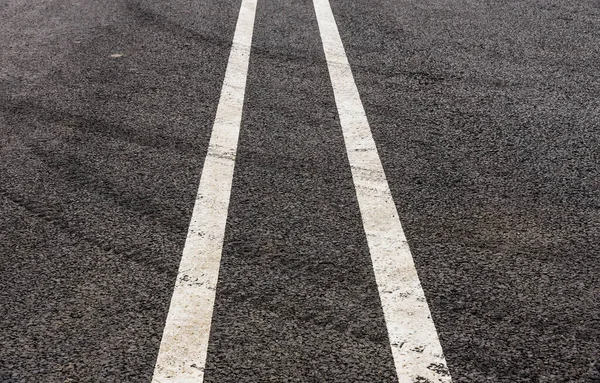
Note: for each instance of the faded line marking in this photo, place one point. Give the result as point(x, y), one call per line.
point(182, 354)
point(416, 349)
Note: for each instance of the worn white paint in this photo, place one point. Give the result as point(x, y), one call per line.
point(182, 353)
point(413, 337)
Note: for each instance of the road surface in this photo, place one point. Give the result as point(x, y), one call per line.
point(484, 120)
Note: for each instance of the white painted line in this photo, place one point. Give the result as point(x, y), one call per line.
point(182, 353)
point(414, 341)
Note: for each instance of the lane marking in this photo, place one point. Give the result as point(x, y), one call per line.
point(182, 354)
point(414, 341)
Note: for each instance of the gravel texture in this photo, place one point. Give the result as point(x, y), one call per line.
point(487, 119)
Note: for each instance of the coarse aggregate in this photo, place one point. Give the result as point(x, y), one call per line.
point(487, 120)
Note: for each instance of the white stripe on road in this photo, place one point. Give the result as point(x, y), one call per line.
point(415, 345)
point(182, 353)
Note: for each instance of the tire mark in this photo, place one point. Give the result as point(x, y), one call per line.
point(54, 215)
point(20, 111)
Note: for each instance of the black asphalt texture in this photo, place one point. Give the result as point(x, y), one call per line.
point(487, 119)
point(99, 164)
point(486, 115)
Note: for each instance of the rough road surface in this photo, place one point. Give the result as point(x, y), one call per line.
point(486, 118)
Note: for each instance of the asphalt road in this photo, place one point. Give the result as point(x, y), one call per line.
point(486, 117)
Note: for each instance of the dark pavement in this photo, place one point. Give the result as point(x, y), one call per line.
point(100, 162)
point(487, 119)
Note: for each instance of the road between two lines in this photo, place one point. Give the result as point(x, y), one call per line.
point(416, 349)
